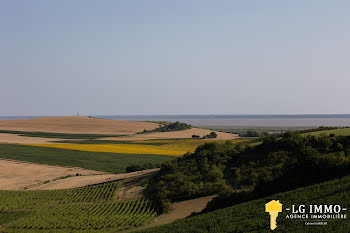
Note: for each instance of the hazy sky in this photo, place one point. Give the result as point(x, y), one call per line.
point(174, 57)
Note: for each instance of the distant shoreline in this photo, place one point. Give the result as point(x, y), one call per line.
point(203, 116)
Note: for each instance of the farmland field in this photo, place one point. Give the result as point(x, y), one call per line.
point(18, 138)
point(76, 125)
point(57, 135)
point(17, 175)
point(37, 129)
point(99, 161)
point(80, 181)
point(180, 134)
point(150, 147)
point(91, 208)
point(122, 148)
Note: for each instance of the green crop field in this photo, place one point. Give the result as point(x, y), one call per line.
point(341, 132)
point(87, 209)
point(100, 161)
point(251, 216)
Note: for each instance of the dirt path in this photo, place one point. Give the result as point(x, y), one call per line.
point(179, 210)
point(132, 188)
point(182, 209)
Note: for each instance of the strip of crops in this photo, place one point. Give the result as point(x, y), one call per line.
point(92, 208)
point(79, 216)
point(37, 200)
point(6, 217)
point(99, 161)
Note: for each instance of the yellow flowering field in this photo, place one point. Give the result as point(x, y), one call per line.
point(158, 147)
point(119, 148)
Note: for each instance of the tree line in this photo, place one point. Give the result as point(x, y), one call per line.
point(240, 172)
point(176, 126)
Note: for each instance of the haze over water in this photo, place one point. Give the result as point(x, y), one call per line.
point(232, 120)
point(248, 120)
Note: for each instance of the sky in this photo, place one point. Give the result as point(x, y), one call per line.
point(149, 57)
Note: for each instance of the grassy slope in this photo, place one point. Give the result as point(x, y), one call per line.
point(101, 161)
point(240, 129)
point(251, 216)
point(342, 132)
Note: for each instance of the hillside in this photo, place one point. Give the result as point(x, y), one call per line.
point(240, 172)
point(77, 124)
point(176, 135)
point(86, 209)
point(17, 175)
point(46, 130)
point(251, 216)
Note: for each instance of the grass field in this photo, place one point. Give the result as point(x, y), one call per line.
point(150, 147)
point(87, 209)
point(100, 161)
point(251, 216)
point(268, 129)
point(342, 132)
